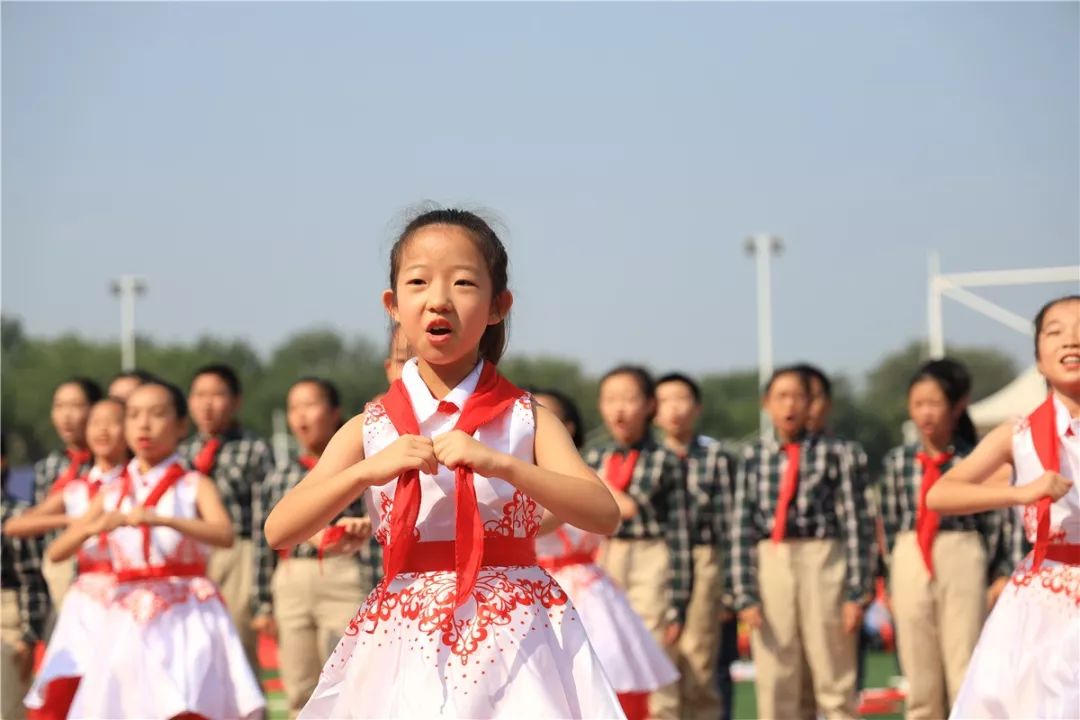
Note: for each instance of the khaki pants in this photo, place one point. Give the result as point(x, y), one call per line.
point(311, 609)
point(937, 620)
point(802, 594)
point(58, 578)
point(642, 568)
point(12, 687)
point(232, 569)
point(699, 643)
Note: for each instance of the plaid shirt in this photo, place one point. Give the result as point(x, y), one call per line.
point(243, 461)
point(21, 561)
point(658, 488)
point(51, 467)
point(902, 479)
point(710, 481)
point(274, 487)
point(828, 503)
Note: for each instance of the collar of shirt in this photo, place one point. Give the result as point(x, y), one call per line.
point(807, 439)
point(425, 405)
point(1065, 422)
point(152, 475)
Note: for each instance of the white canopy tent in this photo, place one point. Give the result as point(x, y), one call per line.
point(1018, 398)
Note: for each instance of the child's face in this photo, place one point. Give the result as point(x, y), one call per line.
point(677, 412)
point(787, 404)
point(930, 411)
point(820, 407)
point(311, 419)
point(69, 412)
point(122, 387)
point(443, 299)
point(399, 355)
point(212, 404)
point(1059, 347)
point(151, 426)
point(105, 432)
point(624, 408)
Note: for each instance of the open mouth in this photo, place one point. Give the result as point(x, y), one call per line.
point(439, 330)
point(1071, 361)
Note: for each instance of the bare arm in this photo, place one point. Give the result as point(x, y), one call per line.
point(560, 480)
point(549, 524)
point(341, 476)
point(95, 521)
point(39, 519)
point(213, 525)
point(981, 481)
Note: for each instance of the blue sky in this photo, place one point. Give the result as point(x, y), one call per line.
point(254, 160)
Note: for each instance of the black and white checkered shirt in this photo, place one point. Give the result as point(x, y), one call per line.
point(828, 504)
point(21, 561)
point(900, 486)
point(658, 488)
point(710, 486)
point(51, 467)
point(243, 461)
point(277, 483)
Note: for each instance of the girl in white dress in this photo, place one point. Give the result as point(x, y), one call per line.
point(457, 465)
point(171, 649)
point(634, 662)
point(1027, 661)
point(80, 626)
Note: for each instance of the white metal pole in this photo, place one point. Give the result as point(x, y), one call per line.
point(936, 323)
point(762, 246)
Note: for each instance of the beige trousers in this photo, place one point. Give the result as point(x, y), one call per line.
point(937, 620)
point(12, 687)
point(699, 643)
point(311, 609)
point(802, 586)
point(642, 568)
point(232, 570)
point(58, 578)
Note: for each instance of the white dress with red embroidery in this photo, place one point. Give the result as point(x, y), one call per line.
point(81, 628)
point(630, 656)
point(172, 647)
point(515, 649)
point(1027, 662)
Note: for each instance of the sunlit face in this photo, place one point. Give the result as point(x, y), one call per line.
point(70, 408)
point(1059, 347)
point(105, 432)
point(211, 404)
point(399, 355)
point(787, 404)
point(311, 418)
point(443, 299)
point(929, 409)
point(624, 408)
point(552, 403)
point(677, 412)
point(820, 406)
point(122, 387)
point(151, 425)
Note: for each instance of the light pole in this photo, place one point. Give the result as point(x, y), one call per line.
point(127, 288)
point(762, 247)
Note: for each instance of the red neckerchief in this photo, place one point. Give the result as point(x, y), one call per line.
point(493, 395)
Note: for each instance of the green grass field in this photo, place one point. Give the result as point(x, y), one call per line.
point(879, 668)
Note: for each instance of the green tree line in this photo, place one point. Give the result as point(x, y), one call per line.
point(32, 367)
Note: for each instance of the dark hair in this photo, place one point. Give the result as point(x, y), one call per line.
point(223, 371)
point(695, 389)
point(143, 376)
point(90, 389)
point(788, 370)
point(328, 389)
point(493, 341)
point(1041, 316)
point(114, 400)
point(814, 372)
point(955, 382)
point(641, 376)
point(568, 412)
point(176, 395)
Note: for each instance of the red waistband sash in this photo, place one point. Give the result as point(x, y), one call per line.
point(557, 563)
point(161, 571)
point(1063, 553)
point(438, 556)
point(94, 567)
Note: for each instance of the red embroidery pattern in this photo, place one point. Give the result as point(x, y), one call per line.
point(427, 599)
point(99, 587)
point(386, 519)
point(374, 413)
point(1031, 523)
point(520, 513)
point(149, 599)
